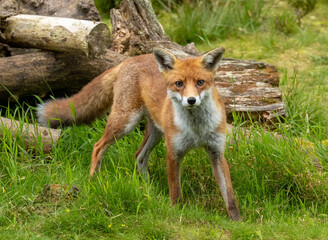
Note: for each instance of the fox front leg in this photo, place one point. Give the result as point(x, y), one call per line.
point(222, 176)
point(173, 164)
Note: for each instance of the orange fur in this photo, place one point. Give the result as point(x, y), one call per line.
point(179, 99)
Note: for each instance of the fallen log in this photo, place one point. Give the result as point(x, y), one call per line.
point(42, 72)
point(33, 135)
point(57, 34)
point(250, 88)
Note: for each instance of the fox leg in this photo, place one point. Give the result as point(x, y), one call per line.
point(222, 176)
point(173, 165)
point(152, 137)
point(119, 124)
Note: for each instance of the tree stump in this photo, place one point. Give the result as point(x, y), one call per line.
point(136, 31)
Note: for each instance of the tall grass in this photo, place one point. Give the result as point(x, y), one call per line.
point(306, 116)
point(199, 21)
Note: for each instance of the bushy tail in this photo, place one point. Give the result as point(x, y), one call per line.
point(91, 102)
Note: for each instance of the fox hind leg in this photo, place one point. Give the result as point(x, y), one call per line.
point(152, 137)
point(119, 124)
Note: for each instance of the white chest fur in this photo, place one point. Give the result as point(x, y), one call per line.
point(198, 126)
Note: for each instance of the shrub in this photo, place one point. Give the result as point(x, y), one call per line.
point(302, 7)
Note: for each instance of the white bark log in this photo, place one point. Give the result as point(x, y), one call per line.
point(57, 34)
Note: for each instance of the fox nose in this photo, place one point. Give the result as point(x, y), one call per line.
point(191, 100)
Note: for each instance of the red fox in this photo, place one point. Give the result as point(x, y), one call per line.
point(177, 97)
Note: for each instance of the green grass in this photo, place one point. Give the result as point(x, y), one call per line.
point(277, 185)
point(229, 18)
point(281, 184)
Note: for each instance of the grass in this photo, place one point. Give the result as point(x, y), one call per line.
point(207, 25)
point(281, 185)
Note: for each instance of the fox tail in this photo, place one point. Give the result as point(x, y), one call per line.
point(93, 101)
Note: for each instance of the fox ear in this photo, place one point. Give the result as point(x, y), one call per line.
point(164, 59)
point(211, 59)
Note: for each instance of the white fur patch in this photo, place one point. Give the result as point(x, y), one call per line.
point(134, 120)
point(223, 184)
point(198, 126)
point(175, 96)
point(42, 119)
point(185, 103)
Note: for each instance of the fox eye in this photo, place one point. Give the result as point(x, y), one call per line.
point(179, 84)
point(200, 83)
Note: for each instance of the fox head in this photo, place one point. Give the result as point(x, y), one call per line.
point(190, 80)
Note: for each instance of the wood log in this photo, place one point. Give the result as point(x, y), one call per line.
point(78, 9)
point(4, 50)
point(33, 135)
point(57, 34)
point(42, 72)
point(250, 88)
point(19, 51)
point(253, 88)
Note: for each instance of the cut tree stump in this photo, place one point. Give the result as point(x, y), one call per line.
point(57, 34)
point(33, 135)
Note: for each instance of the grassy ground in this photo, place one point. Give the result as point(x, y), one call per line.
point(281, 185)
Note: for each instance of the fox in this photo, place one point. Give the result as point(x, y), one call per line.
point(178, 99)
